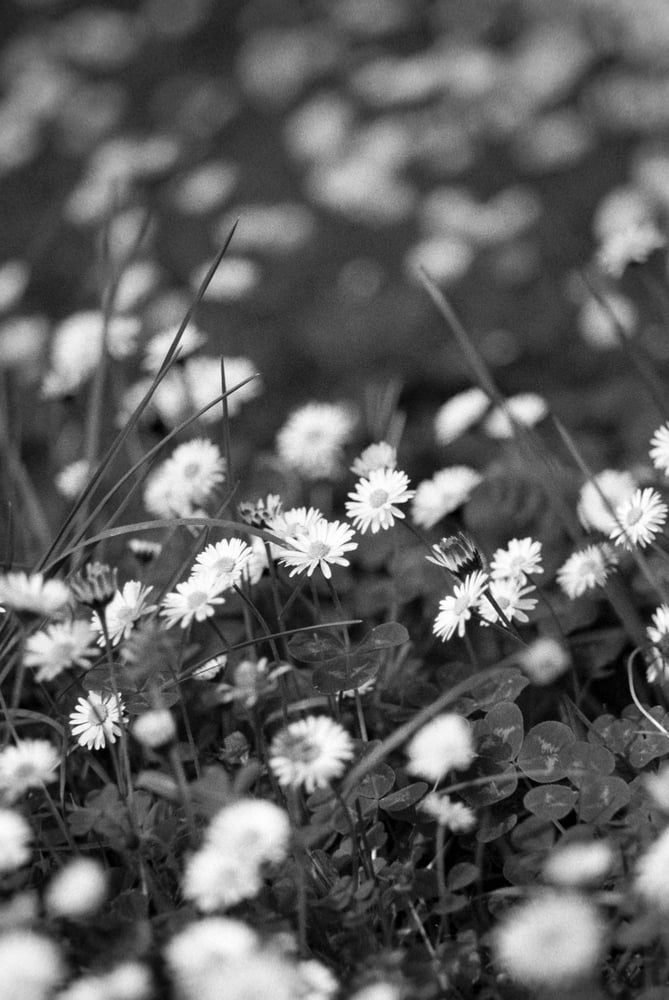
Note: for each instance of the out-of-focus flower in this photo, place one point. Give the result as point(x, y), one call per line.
point(156, 349)
point(22, 345)
point(202, 379)
point(652, 874)
point(632, 245)
point(585, 570)
point(71, 479)
point(14, 278)
point(260, 512)
point(526, 409)
point(459, 413)
point(520, 559)
point(639, 519)
point(373, 503)
point(609, 485)
point(376, 456)
point(310, 752)
point(32, 965)
point(95, 585)
point(579, 864)
point(455, 816)
point(210, 669)
point(125, 609)
point(126, 981)
point(30, 593)
point(76, 349)
point(143, 550)
point(456, 609)
point(186, 480)
point(323, 544)
point(544, 660)
point(278, 229)
point(194, 600)
point(234, 279)
point(77, 890)
point(205, 187)
point(96, 720)
point(658, 635)
point(312, 439)
point(58, 647)
point(601, 323)
point(28, 764)
point(445, 492)
point(15, 837)
point(154, 728)
point(659, 452)
point(444, 744)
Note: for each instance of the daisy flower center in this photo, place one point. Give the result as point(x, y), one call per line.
point(301, 750)
point(196, 599)
point(191, 470)
point(461, 604)
point(634, 516)
point(318, 550)
point(378, 498)
point(225, 565)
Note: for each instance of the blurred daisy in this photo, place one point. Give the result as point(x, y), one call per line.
point(657, 786)
point(455, 816)
point(154, 728)
point(544, 660)
point(513, 600)
point(444, 493)
point(659, 451)
point(59, 647)
point(14, 278)
point(159, 344)
point(521, 558)
point(194, 600)
point(96, 720)
point(76, 349)
point(456, 609)
point(376, 456)
point(31, 593)
point(444, 744)
point(32, 965)
point(321, 546)
point(527, 409)
point(204, 948)
point(611, 486)
point(639, 519)
point(186, 480)
point(210, 668)
point(226, 559)
point(71, 480)
point(460, 413)
point(631, 245)
point(373, 503)
point(601, 323)
point(652, 874)
point(28, 764)
point(585, 570)
point(551, 941)
point(310, 752)
point(125, 981)
point(202, 376)
point(658, 635)
point(143, 550)
point(579, 864)
point(15, 837)
point(77, 890)
point(312, 439)
point(123, 612)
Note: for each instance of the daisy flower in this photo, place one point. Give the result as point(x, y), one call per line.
point(77, 890)
point(31, 593)
point(639, 519)
point(445, 492)
point(202, 376)
point(527, 409)
point(159, 344)
point(15, 836)
point(460, 413)
point(579, 864)
point(293, 522)
point(154, 728)
point(456, 609)
point(512, 598)
point(59, 647)
point(312, 439)
point(376, 456)
point(444, 744)
point(658, 635)
point(260, 513)
point(123, 612)
point(455, 816)
point(186, 480)
point(373, 503)
point(456, 553)
point(193, 600)
point(96, 720)
point(611, 486)
point(310, 752)
point(71, 479)
point(554, 940)
point(630, 245)
point(544, 660)
point(659, 452)
point(29, 764)
point(322, 545)
point(652, 874)
point(32, 965)
point(585, 570)
point(521, 558)
point(225, 559)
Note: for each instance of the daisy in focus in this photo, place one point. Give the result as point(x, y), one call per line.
point(639, 519)
point(195, 599)
point(520, 559)
point(32, 594)
point(321, 546)
point(373, 503)
point(311, 752)
point(456, 609)
point(312, 439)
point(512, 599)
point(456, 553)
point(444, 744)
point(60, 647)
point(97, 720)
point(445, 492)
point(125, 609)
point(586, 569)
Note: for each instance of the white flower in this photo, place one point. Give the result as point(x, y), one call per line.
point(207, 946)
point(551, 941)
point(544, 660)
point(527, 409)
point(460, 413)
point(156, 350)
point(186, 480)
point(444, 744)
point(31, 964)
point(658, 635)
point(512, 598)
point(195, 599)
point(210, 669)
point(257, 562)
point(29, 764)
point(123, 612)
point(652, 873)
point(521, 558)
point(310, 752)
point(33, 594)
point(154, 728)
point(585, 570)
point(317, 982)
point(71, 479)
point(96, 720)
point(312, 439)
point(77, 890)
point(76, 349)
point(226, 559)
point(376, 456)
point(324, 543)
point(15, 837)
point(373, 503)
point(290, 524)
point(379, 991)
point(659, 451)
point(455, 816)
point(610, 484)
point(445, 492)
point(601, 323)
point(202, 377)
point(579, 864)
point(633, 244)
point(456, 553)
point(456, 609)
point(58, 647)
point(126, 981)
point(215, 881)
point(657, 786)
point(639, 519)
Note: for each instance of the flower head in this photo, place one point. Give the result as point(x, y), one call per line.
point(202, 376)
point(71, 479)
point(154, 728)
point(527, 409)
point(312, 439)
point(659, 452)
point(123, 612)
point(310, 752)
point(95, 585)
point(32, 965)
point(186, 480)
point(456, 609)
point(511, 597)
point(373, 503)
point(15, 837)
point(455, 816)
point(600, 496)
point(319, 547)
point(586, 569)
point(259, 513)
point(639, 519)
point(442, 745)
point(376, 456)
point(652, 874)
point(658, 635)
point(460, 413)
point(32, 594)
point(96, 720)
point(520, 559)
point(445, 492)
point(77, 890)
point(579, 864)
point(544, 660)
point(225, 559)
point(156, 349)
point(630, 245)
point(193, 600)
point(456, 553)
point(58, 647)
point(28, 764)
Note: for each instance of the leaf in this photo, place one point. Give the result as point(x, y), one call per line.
point(492, 830)
point(649, 743)
point(404, 798)
point(540, 757)
point(582, 759)
point(506, 721)
point(376, 784)
point(212, 791)
point(315, 648)
point(592, 651)
point(601, 798)
point(385, 636)
point(615, 734)
point(461, 875)
point(550, 801)
point(345, 672)
point(506, 685)
point(500, 781)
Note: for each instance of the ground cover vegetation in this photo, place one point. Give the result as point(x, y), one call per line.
point(334, 641)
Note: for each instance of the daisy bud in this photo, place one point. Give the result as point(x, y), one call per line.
point(155, 728)
point(95, 586)
point(457, 553)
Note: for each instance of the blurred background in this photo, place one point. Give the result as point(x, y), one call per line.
point(489, 141)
